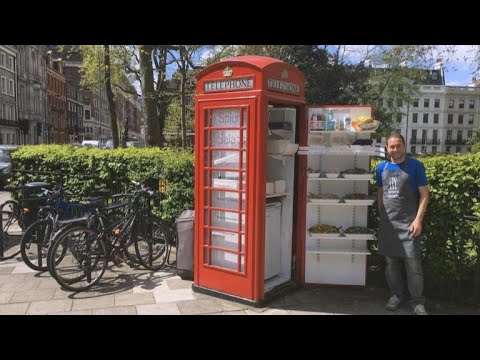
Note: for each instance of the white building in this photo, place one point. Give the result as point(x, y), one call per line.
point(441, 119)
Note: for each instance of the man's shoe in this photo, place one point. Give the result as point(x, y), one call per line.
point(393, 303)
point(419, 310)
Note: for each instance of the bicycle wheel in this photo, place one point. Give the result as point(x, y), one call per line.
point(34, 244)
point(60, 252)
point(152, 242)
point(10, 205)
point(84, 261)
point(10, 235)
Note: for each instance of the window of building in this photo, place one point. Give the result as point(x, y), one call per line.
point(434, 149)
point(413, 149)
point(414, 135)
point(447, 149)
point(437, 103)
point(450, 118)
point(449, 135)
point(415, 103)
point(470, 119)
point(424, 149)
point(4, 85)
point(458, 149)
point(414, 118)
point(469, 134)
point(2, 59)
point(435, 118)
point(11, 87)
point(435, 136)
point(459, 136)
point(461, 104)
point(451, 103)
point(10, 63)
point(87, 114)
point(460, 119)
point(399, 118)
point(4, 111)
point(425, 118)
point(434, 75)
point(426, 103)
point(471, 104)
point(12, 112)
point(424, 135)
point(399, 103)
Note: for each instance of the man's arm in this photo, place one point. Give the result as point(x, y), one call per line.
point(416, 227)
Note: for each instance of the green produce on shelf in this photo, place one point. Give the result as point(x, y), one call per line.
point(358, 230)
point(324, 229)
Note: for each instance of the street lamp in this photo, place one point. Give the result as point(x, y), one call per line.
point(406, 128)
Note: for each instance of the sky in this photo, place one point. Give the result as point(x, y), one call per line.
point(460, 72)
point(458, 66)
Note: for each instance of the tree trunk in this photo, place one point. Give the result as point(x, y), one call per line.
point(152, 133)
point(183, 75)
point(111, 102)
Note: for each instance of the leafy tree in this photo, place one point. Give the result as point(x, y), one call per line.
point(474, 141)
point(153, 135)
point(185, 62)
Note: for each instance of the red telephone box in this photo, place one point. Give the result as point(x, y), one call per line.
point(249, 114)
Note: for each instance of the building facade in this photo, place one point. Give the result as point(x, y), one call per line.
point(9, 125)
point(56, 101)
point(32, 92)
point(441, 118)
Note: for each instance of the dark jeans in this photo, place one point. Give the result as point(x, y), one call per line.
point(393, 274)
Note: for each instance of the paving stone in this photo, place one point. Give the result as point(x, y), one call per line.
point(166, 296)
point(78, 312)
point(241, 312)
point(195, 307)
point(13, 309)
point(23, 269)
point(48, 283)
point(134, 299)
point(99, 302)
point(6, 269)
point(267, 312)
point(158, 309)
point(5, 296)
point(32, 295)
point(231, 306)
point(49, 306)
point(175, 284)
point(19, 285)
point(118, 310)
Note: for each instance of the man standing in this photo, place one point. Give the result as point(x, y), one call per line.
point(402, 202)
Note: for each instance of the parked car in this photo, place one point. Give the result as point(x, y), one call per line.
point(5, 167)
point(91, 143)
point(136, 143)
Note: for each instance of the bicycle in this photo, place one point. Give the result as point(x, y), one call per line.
point(36, 239)
point(16, 217)
point(90, 247)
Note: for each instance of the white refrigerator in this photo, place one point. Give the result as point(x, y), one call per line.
point(273, 239)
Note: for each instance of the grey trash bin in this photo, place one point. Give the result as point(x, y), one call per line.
point(184, 224)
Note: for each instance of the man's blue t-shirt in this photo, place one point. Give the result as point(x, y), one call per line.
point(416, 172)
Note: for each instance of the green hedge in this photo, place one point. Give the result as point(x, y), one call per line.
point(81, 170)
point(450, 243)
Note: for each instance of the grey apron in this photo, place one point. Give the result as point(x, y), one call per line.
point(399, 210)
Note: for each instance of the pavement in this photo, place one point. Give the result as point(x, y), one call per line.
point(127, 291)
